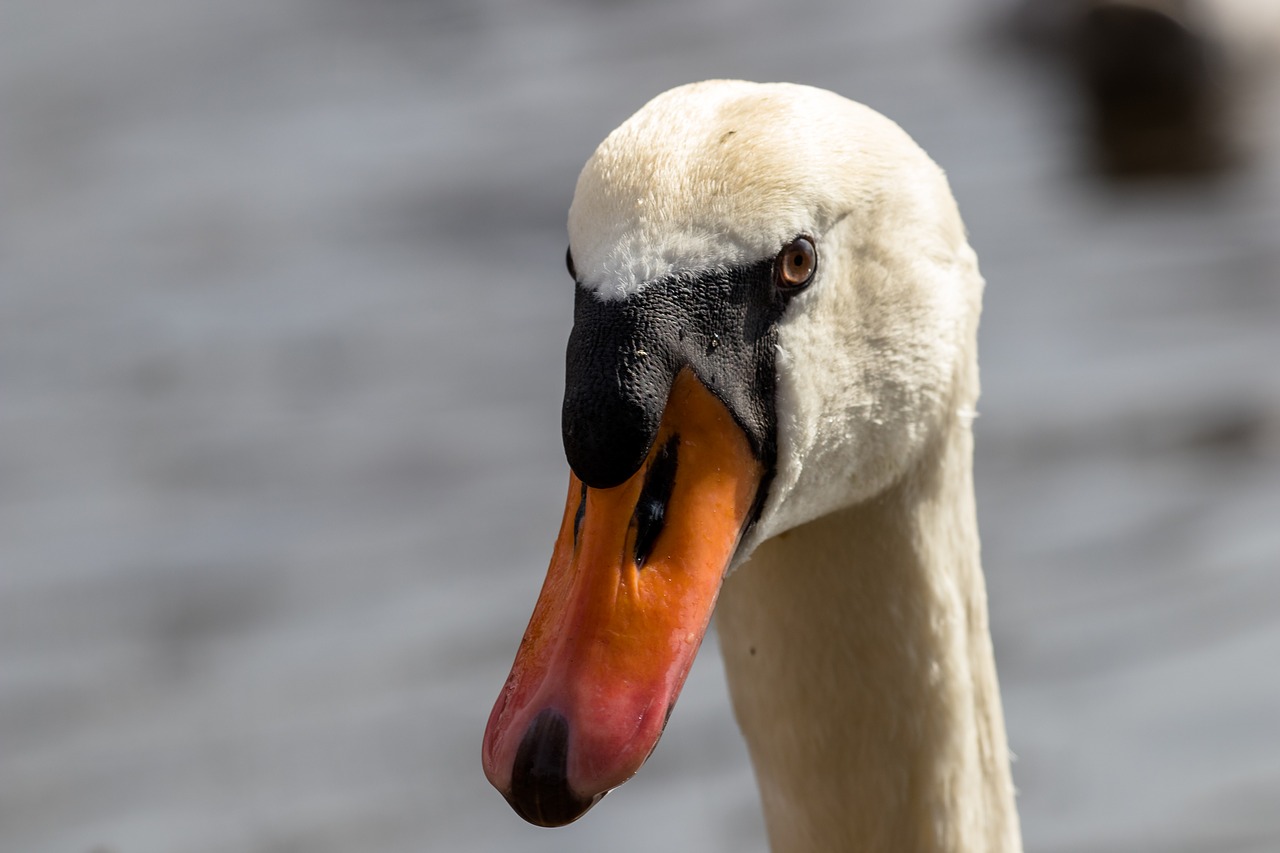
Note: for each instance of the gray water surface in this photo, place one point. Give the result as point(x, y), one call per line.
point(280, 363)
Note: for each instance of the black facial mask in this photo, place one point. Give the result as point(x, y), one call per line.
point(624, 354)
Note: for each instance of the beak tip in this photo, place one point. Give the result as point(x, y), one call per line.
point(551, 812)
point(540, 791)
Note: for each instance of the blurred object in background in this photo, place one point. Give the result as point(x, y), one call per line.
point(1167, 87)
point(1157, 83)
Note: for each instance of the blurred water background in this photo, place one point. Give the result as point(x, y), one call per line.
point(282, 315)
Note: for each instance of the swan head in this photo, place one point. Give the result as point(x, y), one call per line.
point(775, 312)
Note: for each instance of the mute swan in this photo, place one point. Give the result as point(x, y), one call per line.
point(770, 381)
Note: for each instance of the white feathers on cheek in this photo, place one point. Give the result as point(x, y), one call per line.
point(867, 364)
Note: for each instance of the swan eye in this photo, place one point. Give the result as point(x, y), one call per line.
point(795, 265)
point(568, 262)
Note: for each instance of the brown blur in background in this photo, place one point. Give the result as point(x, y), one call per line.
point(282, 317)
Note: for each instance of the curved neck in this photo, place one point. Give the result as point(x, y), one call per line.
point(862, 675)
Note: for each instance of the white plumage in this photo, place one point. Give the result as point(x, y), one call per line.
point(854, 627)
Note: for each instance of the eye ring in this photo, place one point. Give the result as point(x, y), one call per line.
point(795, 265)
point(568, 262)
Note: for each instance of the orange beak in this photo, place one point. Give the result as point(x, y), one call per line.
point(627, 600)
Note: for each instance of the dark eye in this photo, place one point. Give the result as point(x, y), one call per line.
point(795, 265)
point(568, 262)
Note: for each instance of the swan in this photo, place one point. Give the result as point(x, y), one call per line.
point(770, 387)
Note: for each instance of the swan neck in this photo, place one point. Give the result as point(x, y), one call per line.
point(860, 665)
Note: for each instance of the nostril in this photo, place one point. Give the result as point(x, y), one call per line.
point(651, 508)
point(540, 791)
point(580, 515)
